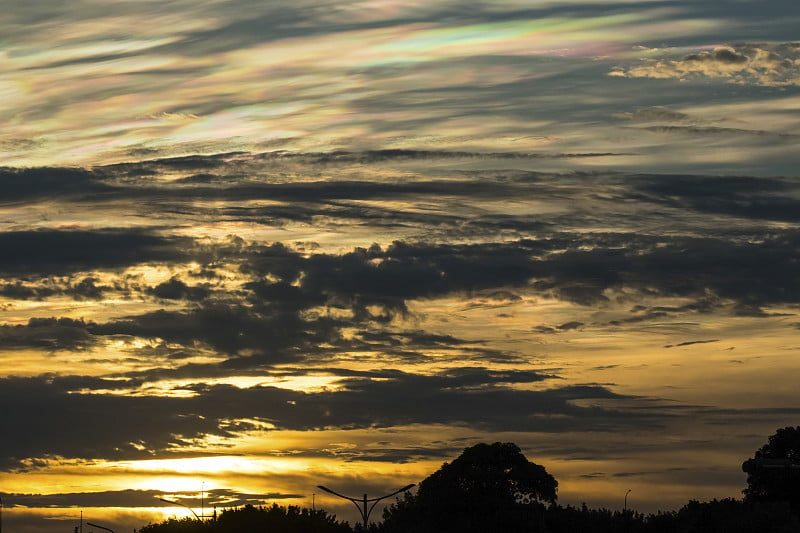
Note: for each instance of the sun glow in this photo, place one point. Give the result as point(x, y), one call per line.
point(180, 388)
point(171, 485)
point(225, 464)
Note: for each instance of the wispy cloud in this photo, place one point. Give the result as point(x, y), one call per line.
point(770, 65)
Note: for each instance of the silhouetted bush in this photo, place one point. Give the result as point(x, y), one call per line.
point(175, 525)
point(250, 519)
point(726, 516)
point(571, 519)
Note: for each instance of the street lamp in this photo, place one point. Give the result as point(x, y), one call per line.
point(625, 505)
point(182, 505)
point(99, 527)
point(361, 503)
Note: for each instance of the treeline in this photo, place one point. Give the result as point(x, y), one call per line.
point(718, 516)
point(493, 488)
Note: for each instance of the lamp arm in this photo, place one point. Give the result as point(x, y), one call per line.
point(326, 489)
point(398, 491)
point(99, 526)
point(181, 505)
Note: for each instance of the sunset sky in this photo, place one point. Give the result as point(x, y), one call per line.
point(251, 247)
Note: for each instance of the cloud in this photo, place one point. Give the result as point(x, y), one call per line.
point(690, 267)
point(746, 64)
point(755, 198)
point(712, 130)
point(291, 304)
point(54, 252)
point(140, 498)
point(56, 412)
point(375, 285)
point(49, 334)
point(28, 184)
point(232, 163)
point(577, 268)
point(236, 182)
point(567, 326)
point(79, 288)
point(689, 343)
point(175, 289)
point(20, 291)
point(656, 114)
point(233, 330)
point(169, 426)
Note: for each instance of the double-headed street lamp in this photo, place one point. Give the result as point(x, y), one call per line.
point(361, 503)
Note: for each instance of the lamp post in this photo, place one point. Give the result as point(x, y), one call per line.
point(625, 504)
point(99, 527)
point(361, 503)
point(182, 505)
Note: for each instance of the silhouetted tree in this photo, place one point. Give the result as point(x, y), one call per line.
point(774, 481)
point(489, 487)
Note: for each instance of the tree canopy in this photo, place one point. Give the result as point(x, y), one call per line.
point(774, 472)
point(489, 487)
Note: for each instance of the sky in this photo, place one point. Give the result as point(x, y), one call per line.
point(253, 247)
